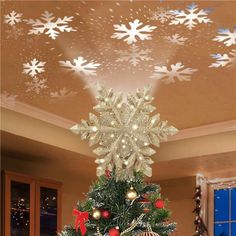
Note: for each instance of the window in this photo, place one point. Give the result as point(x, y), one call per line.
point(224, 212)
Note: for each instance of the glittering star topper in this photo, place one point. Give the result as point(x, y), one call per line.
point(123, 132)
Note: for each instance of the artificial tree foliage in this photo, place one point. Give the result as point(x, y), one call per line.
point(109, 194)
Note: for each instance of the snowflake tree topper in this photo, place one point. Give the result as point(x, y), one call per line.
point(49, 26)
point(136, 31)
point(123, 132)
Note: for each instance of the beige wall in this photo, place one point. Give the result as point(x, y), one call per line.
point(178, 191)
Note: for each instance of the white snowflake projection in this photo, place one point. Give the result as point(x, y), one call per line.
point(161, 14)
point(12, 18)
point(226, 36)
point(136, 31)
point(36, 85)
point(80, 66)
point(176, 39)
point(7, 99)
point(93, 82)
point(33, 67)
point(133, 55)
point(124, 132)
point(224, 60)
point(191, 17)
point(177, 71)
point(50, 26)
point(14, 32)
point(62, 94)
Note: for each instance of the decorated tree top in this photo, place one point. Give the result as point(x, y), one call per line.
point(124, 132)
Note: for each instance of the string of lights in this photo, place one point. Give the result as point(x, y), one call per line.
point(200, 228)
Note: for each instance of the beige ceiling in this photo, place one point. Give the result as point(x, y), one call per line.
point(212, 165)
point(209, 96)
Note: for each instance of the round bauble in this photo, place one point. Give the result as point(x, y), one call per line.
point(96, 214)
point(131, 194)
point(114, 232)
point(106, 214)
point(159, 203)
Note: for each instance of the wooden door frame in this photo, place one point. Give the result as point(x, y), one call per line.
point(35, 184)
point(12, 176)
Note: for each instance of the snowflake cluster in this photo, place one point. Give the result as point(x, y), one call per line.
point(191, 17)
point(226, 36)
point(224, 60)
point(36, 85)
point(62, 94)
point(14, 32)
point(12, 18)
point(176, 71)
point(133, 55)
point(161, 14)
point(176, 39)
point(50, 26)
point(33, 67)
point(135, 32)
point(80, 66)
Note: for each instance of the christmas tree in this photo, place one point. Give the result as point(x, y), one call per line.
point(120, 202)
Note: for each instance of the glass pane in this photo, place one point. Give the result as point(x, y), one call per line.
point(233, 228)
point(221, 229)
point(20, 209)
point(221, 211)
point(48, 211)
point(233, 204)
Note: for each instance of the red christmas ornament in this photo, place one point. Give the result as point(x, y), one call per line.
point(106, 214)
point(159, 203)
point(114, 232)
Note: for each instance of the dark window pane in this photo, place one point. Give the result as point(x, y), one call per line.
point(233, 205)
point(221, 229)
point(20, 209)
point(221, 208)
point(48, 211)
point(233, 229)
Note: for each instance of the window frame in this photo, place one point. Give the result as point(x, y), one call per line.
point(211, 203)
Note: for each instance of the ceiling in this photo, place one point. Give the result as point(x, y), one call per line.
point(92, 33)
point(20, 148)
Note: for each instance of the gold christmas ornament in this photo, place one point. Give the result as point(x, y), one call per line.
point(131, 194)
point(96, 214)
point(123, 132)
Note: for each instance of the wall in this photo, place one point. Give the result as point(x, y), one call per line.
point(178, 191)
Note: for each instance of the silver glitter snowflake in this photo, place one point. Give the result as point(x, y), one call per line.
point(123, 132)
